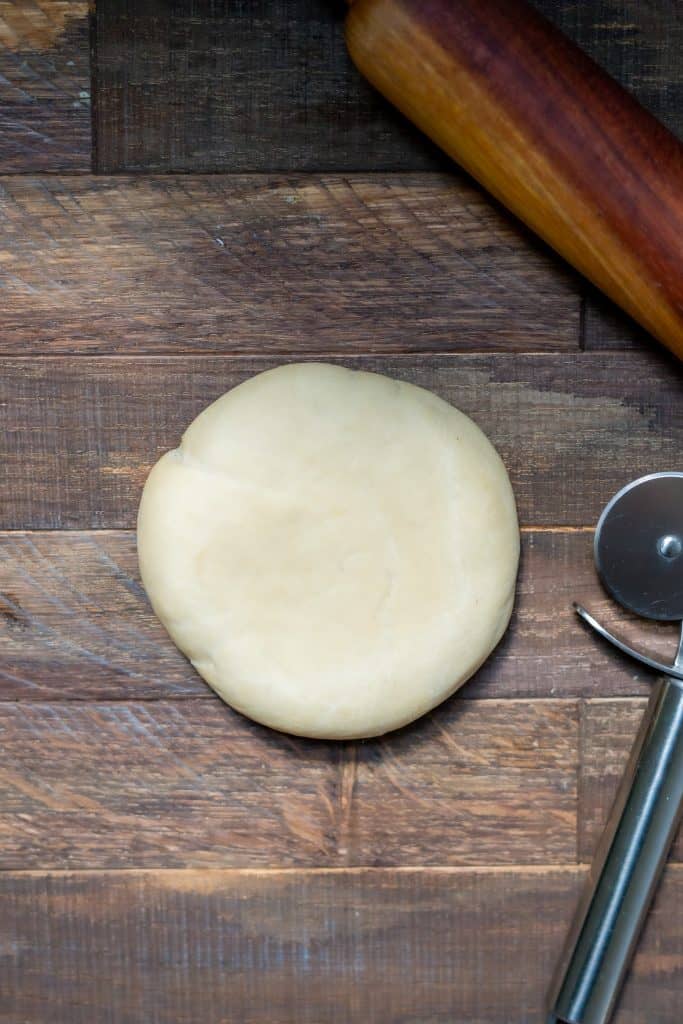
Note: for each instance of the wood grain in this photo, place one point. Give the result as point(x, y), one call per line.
point(605, 326)
point(240, 86)
point(97, 770)
point(44, 86)
point(546, 131)
point(472, 779)
point(360, 947)
point(310, 948)
point(191, 783)
point(261, 264)
point(270, 86)
point(79, 434)
point(608, 731)
point(75, 625)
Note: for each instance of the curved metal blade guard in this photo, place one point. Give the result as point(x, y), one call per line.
point(639, 556)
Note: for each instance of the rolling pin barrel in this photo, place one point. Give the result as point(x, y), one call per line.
point(544, 129)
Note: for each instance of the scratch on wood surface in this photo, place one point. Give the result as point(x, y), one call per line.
point(302, 819)
point(447, 738)
point(277, 282)
point(53, 797)
point(184, 875)
point(391, 767)
point(348, 775)
point(136, 473)
point(45, 119)
point(141, 723)
point(93, 633)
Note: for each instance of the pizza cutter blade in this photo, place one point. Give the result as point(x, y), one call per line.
point(639, 557)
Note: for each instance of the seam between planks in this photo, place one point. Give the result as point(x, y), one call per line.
point(211, 695)
point(113, 531)
point(309, 354)
point(93, 67)
point(581, 867)
point(580, 774)
point(491, 701)
point(418, 869)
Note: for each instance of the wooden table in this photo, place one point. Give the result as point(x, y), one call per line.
point(163, 860)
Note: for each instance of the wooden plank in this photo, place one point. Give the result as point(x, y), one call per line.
point(44, 86)
point(419, 947)
point(191, 784)
point(75, 624)
point(310, 948)
point(240, 86)
point(608, 731)
point(260, 264)
point(477, 783)
point(80, 434)
point(639, 44)
point(255, 86)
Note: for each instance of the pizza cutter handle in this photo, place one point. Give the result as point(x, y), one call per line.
point(627, 866)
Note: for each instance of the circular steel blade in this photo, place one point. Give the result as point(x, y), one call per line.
point(639, 546)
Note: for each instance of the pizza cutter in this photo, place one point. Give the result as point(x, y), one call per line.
point(639, 557)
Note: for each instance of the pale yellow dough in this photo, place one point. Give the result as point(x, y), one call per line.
point(335, 551)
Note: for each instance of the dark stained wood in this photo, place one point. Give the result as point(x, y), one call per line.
point(370, 947)
point(97, 769)
point(79, 435)
point(366, 947)
point(262, 264)
point(75, 624)
point(247, 86)
point(546, 131)
point(608, 731)
point(191, 86)
point(191, 783)
point(605, 326)
point(477, 783)
point(639, 44)
point(44, 86)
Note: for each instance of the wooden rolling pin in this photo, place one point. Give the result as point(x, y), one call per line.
point(544, 129)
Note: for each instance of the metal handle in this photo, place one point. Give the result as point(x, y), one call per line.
point(627, 866)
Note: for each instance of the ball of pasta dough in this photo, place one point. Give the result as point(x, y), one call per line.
point(333, 550)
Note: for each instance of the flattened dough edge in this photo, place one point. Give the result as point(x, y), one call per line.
point(335, 551)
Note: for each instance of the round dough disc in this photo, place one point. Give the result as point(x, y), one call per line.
point(335, 551)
